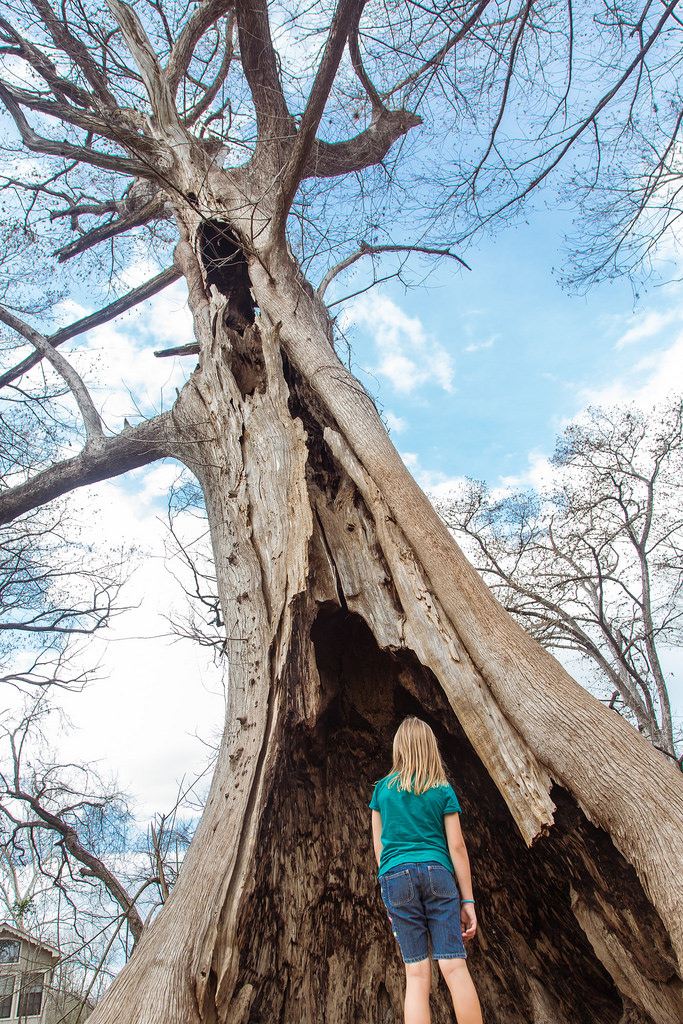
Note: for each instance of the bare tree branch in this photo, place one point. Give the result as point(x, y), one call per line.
point(202, 16)
point(372, 250)
point(347, 13)
point(260, 65)
point(207, 99)
point(61, 87)
point(361, 74)
point(90, 415)
point(191, 349)
point(506, 87)
point(124, 222)
point(37, 144)
point(76, 49)
point(102, 316)
point(442, 52)
point(330, 159)
point(143, 54)
point(101, 460)
point(117, 130)
point(562, 149)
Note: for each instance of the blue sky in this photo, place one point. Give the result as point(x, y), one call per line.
point(522, 355)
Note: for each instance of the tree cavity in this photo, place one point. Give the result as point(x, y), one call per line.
point(225, 267)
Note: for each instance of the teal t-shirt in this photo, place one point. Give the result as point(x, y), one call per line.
point(412, 824)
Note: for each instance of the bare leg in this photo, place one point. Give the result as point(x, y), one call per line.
point(462, 990)
point(418, 984)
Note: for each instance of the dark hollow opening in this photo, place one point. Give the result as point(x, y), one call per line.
point(225, 266)
point(316, 944)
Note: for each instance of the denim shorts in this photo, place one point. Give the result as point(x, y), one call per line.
point(423, 900)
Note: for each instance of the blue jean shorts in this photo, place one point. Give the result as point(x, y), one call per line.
point(423, 901)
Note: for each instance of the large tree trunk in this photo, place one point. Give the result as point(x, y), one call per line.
point(348, 605)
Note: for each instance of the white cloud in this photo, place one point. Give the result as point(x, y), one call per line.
point(437, 484)
point(440, 485)
point(408, 357)
point(647, 326)
point(477, 346)
point(142, 268)
point(154, 482)
point(649, 381)
point(411, 460)
point(396, 424)
point(141, 718)
point(69, 310)
point(538, 474)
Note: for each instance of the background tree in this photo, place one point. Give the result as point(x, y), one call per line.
point(345, 601)
point(55, 595)
point(594, 564)
point(77, 870)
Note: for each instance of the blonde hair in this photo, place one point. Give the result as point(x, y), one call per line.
point(417, 762)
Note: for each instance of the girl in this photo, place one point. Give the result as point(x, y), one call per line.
point(419, 845)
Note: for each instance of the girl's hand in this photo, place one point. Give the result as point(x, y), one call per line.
point(468, 920)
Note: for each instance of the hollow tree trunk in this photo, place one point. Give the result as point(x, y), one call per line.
point(347, 605)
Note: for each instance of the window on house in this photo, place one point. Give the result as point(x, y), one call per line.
point(6, 993)
point(9, 951)
point(31, 995)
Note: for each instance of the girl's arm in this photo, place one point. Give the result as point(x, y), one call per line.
point(377, 834)
point(461, 864)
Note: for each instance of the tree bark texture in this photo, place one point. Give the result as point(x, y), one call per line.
point(347, 605)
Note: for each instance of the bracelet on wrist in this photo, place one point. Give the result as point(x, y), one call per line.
point(467, 901)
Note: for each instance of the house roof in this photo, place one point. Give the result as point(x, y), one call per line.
point(18, 933)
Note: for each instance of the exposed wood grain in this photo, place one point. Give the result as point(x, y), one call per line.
point(426, 630)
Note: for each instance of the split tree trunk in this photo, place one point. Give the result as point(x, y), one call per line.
point(347, 605)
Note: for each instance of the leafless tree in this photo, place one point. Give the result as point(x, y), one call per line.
point(264, 143)
point(77, 869)
point(83, 818)
point(595, 564)
point(54, 596)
